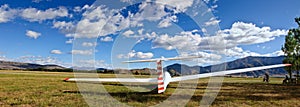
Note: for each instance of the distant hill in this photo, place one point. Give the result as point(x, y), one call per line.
point(178, 69)
point(236, 64)
point(27, 66)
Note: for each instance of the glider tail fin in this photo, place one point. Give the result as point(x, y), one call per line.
point(160, 79)
point(163, 78)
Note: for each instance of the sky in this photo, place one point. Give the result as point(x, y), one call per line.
point(102, 34)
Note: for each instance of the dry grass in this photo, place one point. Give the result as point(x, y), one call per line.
point(19, 88)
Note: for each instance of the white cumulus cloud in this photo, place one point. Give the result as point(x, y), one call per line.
point(167, 21)
point(240, 34)
point(33, 34)
point(128, 33)
point(107, 39)
point(70, 41)
point(65, 27)
point(248, 33)
point(38, 60)
point(89, 44)
point(212, 21)
point(56, 52)
point(144, 55)
point(33, 14)
point(180, 5)
point(3, 58)
point(238, 52)
point(226, 42)
point(182, 41)
point(6, 13)
point(206, 58)
point(82, 52)
point(134, 54)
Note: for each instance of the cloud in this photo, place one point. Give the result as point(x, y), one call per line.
point(147, 36)
point(32, 34)
point(182, 41)
point(144, 55)
point(167, 21)
point(207, 1)
point(56, 52)
point(7, 14)
point(77, 9)
point(3, 58)
point(151, 12)
point(278, 53)
point(63, 26)
point(33, 14)
point(70, 41)
point(38, 1)
point(226, 42)
point(140, 35)
point(238, 52)
point(134, 54)
point(38, 60)
point(107, 39)
point(94, 22)
point(82, 52)
point(89, 44)
point(128, 33)
point(207, 58)
point(247, 33)
point(212, 21)
point(240, 34)
point(180, 5)
point(211, 8)
point(127, 1)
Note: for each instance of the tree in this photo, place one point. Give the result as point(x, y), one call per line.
point(291, 49)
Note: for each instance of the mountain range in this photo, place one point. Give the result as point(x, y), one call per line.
point(236, 64)
point(179, 69)
point(7, 65)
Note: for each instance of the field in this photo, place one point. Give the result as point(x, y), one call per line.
point(25, 88)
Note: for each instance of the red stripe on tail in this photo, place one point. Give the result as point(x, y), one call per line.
point(161, 88)
point(160, 84)
point(160, 78)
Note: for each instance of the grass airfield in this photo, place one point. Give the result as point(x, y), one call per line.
point(26, 88)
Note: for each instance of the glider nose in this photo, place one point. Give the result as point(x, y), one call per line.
point(288, 64)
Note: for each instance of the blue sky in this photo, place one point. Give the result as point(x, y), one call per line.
point(43, 31)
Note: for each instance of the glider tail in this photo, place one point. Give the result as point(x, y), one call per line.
point(163, 78)
point(160, 79)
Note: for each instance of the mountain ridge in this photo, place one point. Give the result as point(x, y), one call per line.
point(8, 65)
point(178, 69)
point(241, 63)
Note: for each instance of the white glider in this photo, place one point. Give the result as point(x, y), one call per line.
point(165, 78)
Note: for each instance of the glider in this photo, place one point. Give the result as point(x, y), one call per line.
point(165, 78)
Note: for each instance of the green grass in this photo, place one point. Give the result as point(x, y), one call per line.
point(24, 88)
